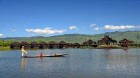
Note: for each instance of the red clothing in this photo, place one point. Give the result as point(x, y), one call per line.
point(41, 54)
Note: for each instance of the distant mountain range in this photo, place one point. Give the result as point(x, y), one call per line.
point(72, 38)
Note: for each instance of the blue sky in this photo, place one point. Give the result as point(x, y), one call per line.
point(56, 17)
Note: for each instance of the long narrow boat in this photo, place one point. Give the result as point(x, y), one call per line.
point(37, 56)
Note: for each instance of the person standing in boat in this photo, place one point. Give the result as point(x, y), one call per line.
point(23, 51)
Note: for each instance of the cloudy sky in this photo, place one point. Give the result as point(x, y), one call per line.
point(56, 17)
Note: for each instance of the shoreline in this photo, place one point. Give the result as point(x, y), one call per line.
point(5, 48)
point(103, 47)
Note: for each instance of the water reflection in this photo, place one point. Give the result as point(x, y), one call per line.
point(121, 61)
point(79, 63)
point(23, 63)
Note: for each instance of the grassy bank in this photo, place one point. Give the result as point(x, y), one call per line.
point(5, 48)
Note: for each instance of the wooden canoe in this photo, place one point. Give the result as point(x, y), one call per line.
point(37, 56)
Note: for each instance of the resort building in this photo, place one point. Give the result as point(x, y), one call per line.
point(107, 40)
point(125, 42)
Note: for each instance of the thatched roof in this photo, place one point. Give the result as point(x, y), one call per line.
point(125, 41)
point(77, 44)
point(15, 43)
point(62, 42)
point(52, 42)
point(43, 43)
point(89, 42)
point(33, 43)
point(107, 39)
point(85, 43)
point(24, 43)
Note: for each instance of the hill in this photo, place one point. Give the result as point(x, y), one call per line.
point(72, 38)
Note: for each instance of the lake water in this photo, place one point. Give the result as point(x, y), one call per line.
point(78, 63)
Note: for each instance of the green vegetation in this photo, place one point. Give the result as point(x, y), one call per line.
point(80, 38)
point(130, 35)
point(74, 38)
point(4, 45)
point(5, 48)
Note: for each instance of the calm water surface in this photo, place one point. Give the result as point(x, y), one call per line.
point(78, 63)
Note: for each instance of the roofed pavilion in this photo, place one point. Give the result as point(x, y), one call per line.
point(125, 42)
point(107, 40)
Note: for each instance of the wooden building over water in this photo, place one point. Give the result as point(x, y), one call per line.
point(43, 45)
point(52, 45)
point(34, 45)
point(89, 43)
point(15, 45)
point(125, 42)
point(60, 45)
point(25, 44)
point(107, 40)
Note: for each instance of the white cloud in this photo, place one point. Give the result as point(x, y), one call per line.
point(92, 25)
point(45, 31)
point(1, 35)
point(96, 28)
point(73, 28)
point(112, 27)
